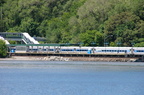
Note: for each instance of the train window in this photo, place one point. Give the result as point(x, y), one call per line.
point(62, 49)
point(44, 49)
point(51, 49)
point(66, 50)
point(103, 50)
point(139, 50)
point(81, 50)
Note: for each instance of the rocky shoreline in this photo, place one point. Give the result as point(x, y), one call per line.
point(60, 58)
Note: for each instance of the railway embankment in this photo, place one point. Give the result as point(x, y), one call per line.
point(62, 58)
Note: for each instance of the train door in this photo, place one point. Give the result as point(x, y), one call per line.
point(89, 51)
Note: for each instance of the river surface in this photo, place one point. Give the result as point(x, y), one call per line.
point(74, 78)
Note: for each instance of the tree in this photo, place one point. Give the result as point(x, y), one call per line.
point(30, 26)
point(66, 21)
point(90, 37)
point(1, 2)
point(123, 26)
point(3, 49)
point(53, 33)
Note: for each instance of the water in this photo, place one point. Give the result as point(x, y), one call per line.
point(26, 78)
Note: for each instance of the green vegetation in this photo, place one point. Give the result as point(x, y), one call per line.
point(3, 49)
point(77, 21)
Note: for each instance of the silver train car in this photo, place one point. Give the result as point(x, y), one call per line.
point(79, 50)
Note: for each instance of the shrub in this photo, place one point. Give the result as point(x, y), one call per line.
point(3, 49)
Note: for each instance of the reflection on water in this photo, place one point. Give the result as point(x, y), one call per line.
point(72, 79)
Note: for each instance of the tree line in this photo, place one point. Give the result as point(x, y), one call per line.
point(89, 22)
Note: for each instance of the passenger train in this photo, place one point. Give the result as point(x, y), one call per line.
point(79, 50)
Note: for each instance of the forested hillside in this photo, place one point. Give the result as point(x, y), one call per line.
point(91, 22)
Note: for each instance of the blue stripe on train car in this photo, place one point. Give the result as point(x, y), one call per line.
point(139, 50)
point(81, 50)
point(67, 50)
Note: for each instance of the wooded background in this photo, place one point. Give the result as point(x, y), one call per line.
point(90, 22)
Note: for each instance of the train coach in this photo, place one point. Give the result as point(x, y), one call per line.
point(80, 50)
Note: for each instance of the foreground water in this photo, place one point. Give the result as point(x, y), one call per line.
point(40, 78)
